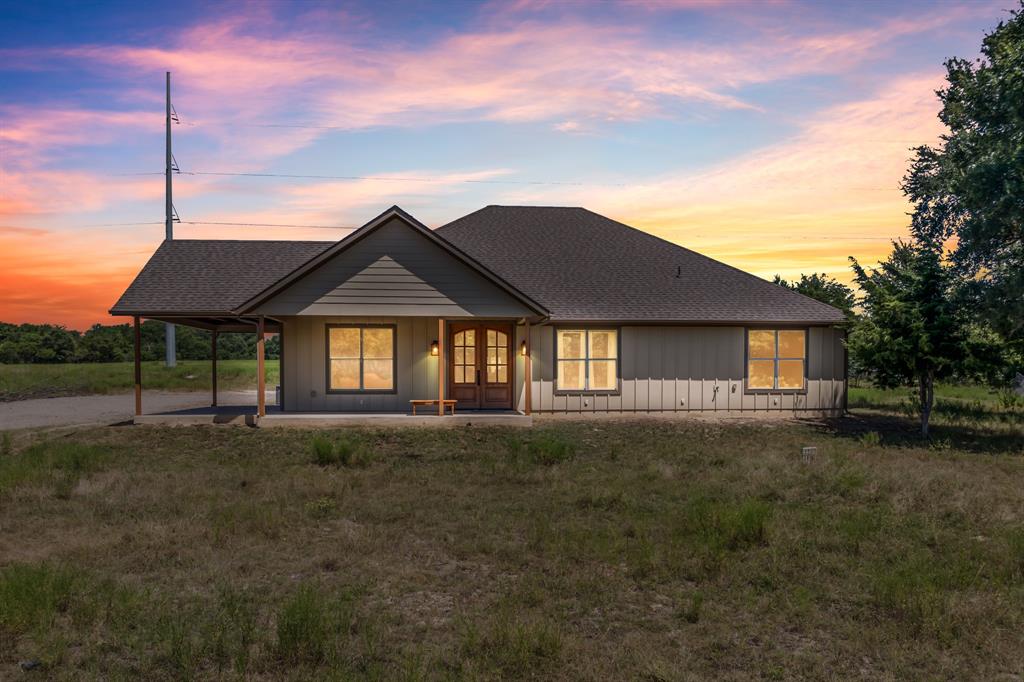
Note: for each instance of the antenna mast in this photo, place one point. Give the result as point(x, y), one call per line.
point(169, 337)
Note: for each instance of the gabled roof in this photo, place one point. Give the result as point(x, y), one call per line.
point(211, 276)
point(230, 277)
point(369, 228)
point(584, 266)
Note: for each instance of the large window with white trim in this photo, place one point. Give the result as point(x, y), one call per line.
point(776, 359)
point(360, 358)
point(587, 359)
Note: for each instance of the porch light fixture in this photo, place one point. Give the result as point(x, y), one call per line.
point(433, 347)
point(522, 349)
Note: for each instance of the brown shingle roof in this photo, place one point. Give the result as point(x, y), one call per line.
point(211, 275)
point(583, 266)
point(577, 264)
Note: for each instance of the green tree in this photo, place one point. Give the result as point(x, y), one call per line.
point(970, 185)
point(913, 330)
point(825, 289)
point(105, 344)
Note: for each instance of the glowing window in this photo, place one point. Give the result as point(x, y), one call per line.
point(360, 358)
point(776, 359)
point(588, 359)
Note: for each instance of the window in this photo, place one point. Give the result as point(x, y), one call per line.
point(587, 359)
point(464, 356)
point(497, 357)
point(360, 358)
point(775, 359)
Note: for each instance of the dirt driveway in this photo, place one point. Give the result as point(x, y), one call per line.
point(107, 409)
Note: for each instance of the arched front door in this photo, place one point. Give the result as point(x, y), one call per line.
point(480, 364)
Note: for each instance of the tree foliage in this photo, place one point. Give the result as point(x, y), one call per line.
point(971, 185)
point(913, 331)
point(825, 289)
point(46, 343)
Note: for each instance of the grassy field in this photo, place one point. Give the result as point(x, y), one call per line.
point(648, 550)
point(20, 382)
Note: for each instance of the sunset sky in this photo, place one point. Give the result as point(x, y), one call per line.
point(769, 135)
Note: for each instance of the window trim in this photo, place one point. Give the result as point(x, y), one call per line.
point(586, 361)
point(360, 391)
point(747, 390)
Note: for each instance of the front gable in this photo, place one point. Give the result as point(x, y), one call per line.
point(394, 269)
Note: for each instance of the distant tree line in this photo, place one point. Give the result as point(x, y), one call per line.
point(47, 343)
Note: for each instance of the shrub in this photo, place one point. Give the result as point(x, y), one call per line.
point(323, 451)
point(322, 507)
point(690, 609)
point(726, 526)
point(31, 595)
point(346, 452)
point(871, 439)
point(59, 464)
point(548, 450)
point(302, 628)
point(515, 646)
point(309, 623)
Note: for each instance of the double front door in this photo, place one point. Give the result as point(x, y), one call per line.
point(480, 364)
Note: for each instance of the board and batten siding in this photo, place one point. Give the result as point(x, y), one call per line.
point(394, 270)
point(304, 380)
point(688, 369)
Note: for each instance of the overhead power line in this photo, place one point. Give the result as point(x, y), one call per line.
point(390, 178)
point(221, 223)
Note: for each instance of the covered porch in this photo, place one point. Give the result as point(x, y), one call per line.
point(440, 358)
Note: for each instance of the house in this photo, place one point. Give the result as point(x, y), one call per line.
point(600, 316)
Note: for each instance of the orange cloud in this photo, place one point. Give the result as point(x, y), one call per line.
point(801, 205)
point(61, 278)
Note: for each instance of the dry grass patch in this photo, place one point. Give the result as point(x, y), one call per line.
point(576, 550)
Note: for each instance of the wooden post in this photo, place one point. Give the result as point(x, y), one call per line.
point(261, 373)
point(441, 371)
point(528, 372)
point(213, 367)
point(138, 367)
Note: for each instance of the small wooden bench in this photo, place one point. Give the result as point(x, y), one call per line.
point(422, 403)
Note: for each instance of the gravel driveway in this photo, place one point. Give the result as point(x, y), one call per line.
point(108, 409)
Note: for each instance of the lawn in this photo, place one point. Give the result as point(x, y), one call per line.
point(20, 382)
point(651, 549)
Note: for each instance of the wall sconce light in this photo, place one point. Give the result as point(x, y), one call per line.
point(522, 349)
point(433, 348)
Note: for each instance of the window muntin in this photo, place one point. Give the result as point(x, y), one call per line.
point(497, 357)
point(464, 356)
point(360, 358)
point(587, 359)
point(776, 359)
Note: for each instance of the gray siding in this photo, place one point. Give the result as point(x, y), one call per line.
point(394, 271)
point(690, 369)
point(305, 366)
point(663, 369)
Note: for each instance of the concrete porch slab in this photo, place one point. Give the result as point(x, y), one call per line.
point(229, 414)
point(329, 420)
point(245, 415)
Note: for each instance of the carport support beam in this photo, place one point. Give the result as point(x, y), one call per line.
point(261, 378)
point(440, 367)
point(528, 372)
point(213, 368)
point(138, 367)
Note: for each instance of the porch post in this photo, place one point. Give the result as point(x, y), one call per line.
point(138, 367)
point(528, 372)
point(261, 379)
point(213, 367)
point(440, 367)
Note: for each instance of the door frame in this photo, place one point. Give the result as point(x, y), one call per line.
point(479, 325)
